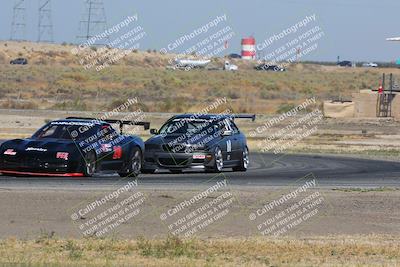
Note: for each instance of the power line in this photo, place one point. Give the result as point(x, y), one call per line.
point(18, 25)
point(93, 20)
point(45, 27)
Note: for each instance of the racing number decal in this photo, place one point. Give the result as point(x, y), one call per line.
point(228, 149)
point(229, 146)
point(117, 152)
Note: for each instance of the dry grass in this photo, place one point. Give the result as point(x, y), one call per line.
point(338, 251)
point(54, 79)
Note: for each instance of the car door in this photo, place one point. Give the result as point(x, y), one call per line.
point(111, 156)
point(227, 141)
point(237, 139)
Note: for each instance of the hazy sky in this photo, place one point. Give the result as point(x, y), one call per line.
point(353, 29)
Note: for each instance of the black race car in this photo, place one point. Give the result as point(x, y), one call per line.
point(19, 61)
point(345, 63)
point(267, 67)
point(234, 55)
point(190, 141)
point(74, 147)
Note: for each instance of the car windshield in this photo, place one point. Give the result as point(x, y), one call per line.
point(187, 125)
point(65, 131)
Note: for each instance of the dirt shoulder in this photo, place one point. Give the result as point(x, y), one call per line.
point(27, 214)
point(353, 227)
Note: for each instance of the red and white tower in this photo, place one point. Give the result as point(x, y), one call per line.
point(249, 48)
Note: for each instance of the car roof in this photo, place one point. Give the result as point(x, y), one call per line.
point(202, 116)
point(80, 121)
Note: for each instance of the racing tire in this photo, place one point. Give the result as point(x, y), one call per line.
point(134, 164)
point(244, 161)
point(89, 164)
point(218, 162)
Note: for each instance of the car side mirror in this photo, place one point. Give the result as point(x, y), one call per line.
point(227, 133)
point(153, 131)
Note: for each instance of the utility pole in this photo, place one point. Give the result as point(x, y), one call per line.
point(93, 20)
point(18, 26)
point(45, 29)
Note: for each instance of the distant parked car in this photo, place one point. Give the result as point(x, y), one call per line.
point(230, 67)
point(19, 61)
point(370, 65)
point(345, 63)
point(267, 67)
point(234, 56)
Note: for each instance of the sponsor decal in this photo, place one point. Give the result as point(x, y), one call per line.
point(10, 152)
point(62, 155)
point(106, 148)
point(72, 123)
point(229, 146)
point(199, 156)
point(117, 152)
point(36, 149)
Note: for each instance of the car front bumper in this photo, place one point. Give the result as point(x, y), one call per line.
point(31, 166)
point(166, 160)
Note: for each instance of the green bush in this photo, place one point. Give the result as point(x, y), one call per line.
point(285, 107)
point(2, 59)
point(234, 94)
point(171, 247)
point(19, 104)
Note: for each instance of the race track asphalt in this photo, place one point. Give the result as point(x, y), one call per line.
point(265, 170)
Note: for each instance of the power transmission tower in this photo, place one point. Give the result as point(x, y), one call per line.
point(18, 26)
point(93, 20)
point(45, 22)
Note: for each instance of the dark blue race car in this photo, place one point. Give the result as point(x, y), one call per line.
point(190, 141)
point(74, 147)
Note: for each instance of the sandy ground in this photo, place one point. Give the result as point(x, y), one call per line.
point(28, 214)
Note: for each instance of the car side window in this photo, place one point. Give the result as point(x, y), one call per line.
point(234, 128)
point(107, 133)
point(227, 125)
point(49, 131)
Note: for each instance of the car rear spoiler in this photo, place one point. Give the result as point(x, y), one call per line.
point(244, 116)
point(146, 125)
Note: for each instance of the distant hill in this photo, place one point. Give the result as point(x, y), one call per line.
point(55, 79)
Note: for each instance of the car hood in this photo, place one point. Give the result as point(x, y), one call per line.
point(40, 145)
point(176, 139)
